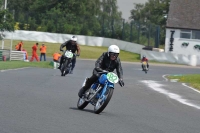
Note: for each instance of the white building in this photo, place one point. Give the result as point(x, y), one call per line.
point(183, 28)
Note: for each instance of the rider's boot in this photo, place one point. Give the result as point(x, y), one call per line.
point(71, 72)
point(84, 88)
point(142, 68)
point(82, 91)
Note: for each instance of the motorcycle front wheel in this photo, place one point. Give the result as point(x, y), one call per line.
point(81, 103)
point(63, 69)
point(101, 103)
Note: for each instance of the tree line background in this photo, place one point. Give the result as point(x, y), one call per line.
point(88, 17)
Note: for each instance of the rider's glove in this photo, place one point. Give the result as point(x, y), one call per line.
point(121, 82)
point(61, 50)
point(77, 54)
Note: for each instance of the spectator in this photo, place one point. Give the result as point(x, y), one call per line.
point(19, 46)
point(43, 52)
point(56, 57)
point(34, 52)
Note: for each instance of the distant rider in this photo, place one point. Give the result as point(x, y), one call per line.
point(107, 61)
point(73, 46)
point(144, 58)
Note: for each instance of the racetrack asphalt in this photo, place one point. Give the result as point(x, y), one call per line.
point(39, 100)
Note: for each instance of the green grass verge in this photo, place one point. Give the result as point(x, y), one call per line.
point(19, 64)
point(191, 79)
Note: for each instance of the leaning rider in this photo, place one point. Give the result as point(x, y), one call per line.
point(108, 61)
point(73, 46)
point(144, 58)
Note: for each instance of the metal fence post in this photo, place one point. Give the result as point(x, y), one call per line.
point(131, 32)
point(157, 37)
point(112, 28)
point(123, 29)
point(102, 30)
point(138, 33)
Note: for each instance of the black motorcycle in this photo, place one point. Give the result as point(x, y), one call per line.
point(67, 62)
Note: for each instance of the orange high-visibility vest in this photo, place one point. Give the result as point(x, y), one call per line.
point(43, 49)
point(17, 47)
point(56, 56)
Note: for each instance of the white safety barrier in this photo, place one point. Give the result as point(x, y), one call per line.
point(159, 56)
point(17, 55)
point(82, 40)
point(6, 55)
point(192, 60)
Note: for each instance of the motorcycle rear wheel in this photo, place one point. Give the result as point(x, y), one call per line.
point(100, 105)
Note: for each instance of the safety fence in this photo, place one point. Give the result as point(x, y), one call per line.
point(6, 55)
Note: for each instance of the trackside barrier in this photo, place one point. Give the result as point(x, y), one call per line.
point(4, 54)
point(17, 55)
point(191, 60)
point(82, 40)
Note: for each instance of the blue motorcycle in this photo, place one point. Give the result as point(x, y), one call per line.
point(100, 92)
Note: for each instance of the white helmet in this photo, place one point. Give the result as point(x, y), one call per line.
point(113, 49)
point(74, 38)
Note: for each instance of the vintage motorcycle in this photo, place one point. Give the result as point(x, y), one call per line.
point(67, 63)
point(144, 66)
point(100, 92)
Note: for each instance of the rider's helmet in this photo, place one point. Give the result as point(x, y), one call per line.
point(113, 49)
point(143, 56)
point(73, 38)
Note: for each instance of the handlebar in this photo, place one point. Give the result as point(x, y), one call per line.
point(70, 51)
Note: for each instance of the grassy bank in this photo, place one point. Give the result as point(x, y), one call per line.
point(19, 64)
point(87, 52)
point(191, 79)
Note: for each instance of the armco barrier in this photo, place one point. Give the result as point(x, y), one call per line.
point(14, 55)
point(17, 55)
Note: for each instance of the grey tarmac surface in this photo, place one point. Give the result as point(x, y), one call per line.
point(38, 100)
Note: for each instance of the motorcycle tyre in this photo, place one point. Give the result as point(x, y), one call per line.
point(63, 73)
point(109, 95)
point(83, 105)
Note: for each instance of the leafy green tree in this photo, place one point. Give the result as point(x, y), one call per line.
point(88, 17)
point(152, 12)
point(6, 20)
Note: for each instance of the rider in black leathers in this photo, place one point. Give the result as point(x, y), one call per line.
point(73, 46)
point(107, 61)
